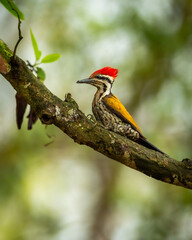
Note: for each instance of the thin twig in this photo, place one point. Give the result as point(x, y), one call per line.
point(19, 29)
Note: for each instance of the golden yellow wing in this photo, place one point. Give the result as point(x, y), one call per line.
point(115, 106)
point(113, 103)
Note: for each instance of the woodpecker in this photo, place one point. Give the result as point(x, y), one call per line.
point(109, 111)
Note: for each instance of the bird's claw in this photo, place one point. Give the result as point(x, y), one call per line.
point(91, 118)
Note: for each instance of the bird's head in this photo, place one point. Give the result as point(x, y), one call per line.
point(102, 78)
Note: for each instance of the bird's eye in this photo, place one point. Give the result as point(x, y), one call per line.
point(98, 77)
point(102, 77)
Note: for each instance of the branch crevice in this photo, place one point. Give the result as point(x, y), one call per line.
point(67, 116)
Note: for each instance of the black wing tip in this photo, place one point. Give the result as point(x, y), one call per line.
point(149, 145)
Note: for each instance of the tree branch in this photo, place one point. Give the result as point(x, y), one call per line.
point(67, 116)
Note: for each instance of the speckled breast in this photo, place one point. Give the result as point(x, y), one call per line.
point(112, 122)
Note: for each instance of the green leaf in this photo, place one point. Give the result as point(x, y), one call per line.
point(51, 58)
point(35, 47)
point(41, 74)
point(6, 4)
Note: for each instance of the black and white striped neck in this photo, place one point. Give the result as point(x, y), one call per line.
point(104, 85)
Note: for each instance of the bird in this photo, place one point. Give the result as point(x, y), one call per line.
point(109, 111)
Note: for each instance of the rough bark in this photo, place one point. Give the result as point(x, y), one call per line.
point(67, 116)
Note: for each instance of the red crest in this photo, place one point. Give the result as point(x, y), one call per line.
point(109, 71)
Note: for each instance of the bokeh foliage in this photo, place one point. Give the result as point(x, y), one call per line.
point(51, 188)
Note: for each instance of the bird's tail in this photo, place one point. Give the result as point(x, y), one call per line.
point(147, 144)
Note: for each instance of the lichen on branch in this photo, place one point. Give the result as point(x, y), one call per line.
point(67, 116)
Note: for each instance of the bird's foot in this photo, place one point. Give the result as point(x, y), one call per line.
point(187, 162)
point(91, 118)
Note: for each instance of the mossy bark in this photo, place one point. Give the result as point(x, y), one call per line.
point(66, 115)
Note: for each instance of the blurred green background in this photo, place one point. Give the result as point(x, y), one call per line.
point(52, 188)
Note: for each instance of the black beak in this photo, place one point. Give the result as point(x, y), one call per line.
point(86, 80)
